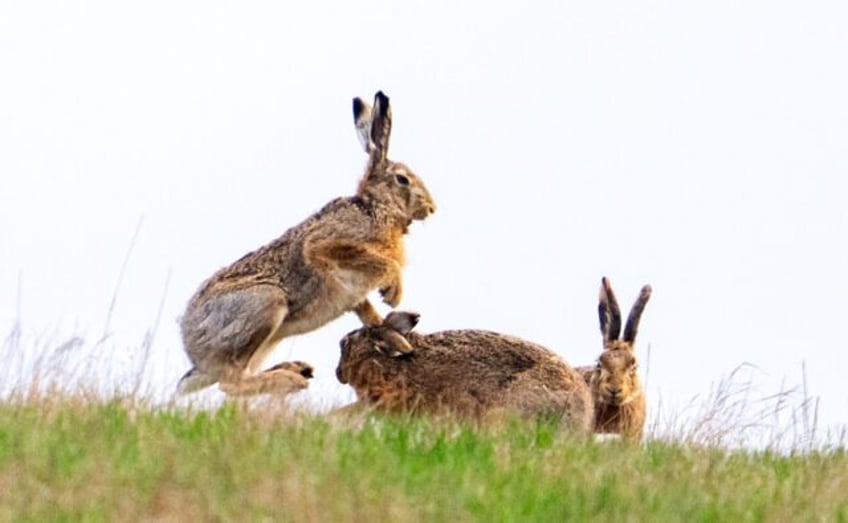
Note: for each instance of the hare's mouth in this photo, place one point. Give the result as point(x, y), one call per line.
point(423, 212)
point(618, 401)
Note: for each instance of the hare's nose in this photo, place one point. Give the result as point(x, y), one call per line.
point(615, 391)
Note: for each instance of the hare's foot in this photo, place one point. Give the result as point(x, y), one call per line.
point(298, 367)
point(279, 380)
point(392, 294)
point(605, 437)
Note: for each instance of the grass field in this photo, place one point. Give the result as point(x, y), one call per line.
point(69, 458)
point(69, 452)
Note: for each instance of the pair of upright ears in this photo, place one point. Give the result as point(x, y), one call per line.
point(610, 314)
point(373, 125)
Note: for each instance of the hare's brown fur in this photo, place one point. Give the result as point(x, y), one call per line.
point(313, 273)
point(472, 374)
point(617, 391)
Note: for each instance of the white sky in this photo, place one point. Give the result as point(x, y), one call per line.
point(699, 148)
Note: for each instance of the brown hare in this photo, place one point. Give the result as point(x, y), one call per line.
point(472, 374)
point(313, 273)
point(616, 389)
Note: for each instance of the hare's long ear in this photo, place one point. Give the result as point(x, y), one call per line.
point(395, 327)
point(362, 122)
point(402, 322)
point(396, 344)
point(381, 127)
point(608, 313)
point(636, 313)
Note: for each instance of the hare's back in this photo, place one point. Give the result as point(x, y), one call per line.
point(476, 356)
point(494, 349)
point(343, 217)
point(282, 261)
point(504, 372)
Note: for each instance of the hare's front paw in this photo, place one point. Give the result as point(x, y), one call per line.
point(392, 294)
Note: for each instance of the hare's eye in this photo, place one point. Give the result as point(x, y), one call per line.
point(401, 179)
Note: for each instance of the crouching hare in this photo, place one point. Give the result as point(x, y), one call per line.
point(472, 374)
point(614, 381)
point(313, 273)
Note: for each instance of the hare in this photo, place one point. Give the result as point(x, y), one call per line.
point(616, 389)
point(313, 273)
point(473, 374)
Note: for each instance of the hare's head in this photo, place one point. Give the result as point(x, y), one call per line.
point(615, 377)
point(385, 181)
point(386, 339)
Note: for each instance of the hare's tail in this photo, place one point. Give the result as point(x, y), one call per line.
point(193, 381)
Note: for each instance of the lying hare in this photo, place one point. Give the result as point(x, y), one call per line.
point(469, 373)
point(313, 273)
point(616, 388)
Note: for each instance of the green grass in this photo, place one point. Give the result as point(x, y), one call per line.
point(69, 460)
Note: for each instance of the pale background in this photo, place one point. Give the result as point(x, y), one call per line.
point(700, 147)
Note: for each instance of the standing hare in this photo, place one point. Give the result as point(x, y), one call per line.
point(473, 374)
point(313, 273)
point(614, 381)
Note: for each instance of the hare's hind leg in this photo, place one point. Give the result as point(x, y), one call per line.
point(230, 332)
point(273, 321)
point(283, 378)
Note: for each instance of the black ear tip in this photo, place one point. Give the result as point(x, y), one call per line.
point(381, 98)
point(411, 317)
point(358, 106)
